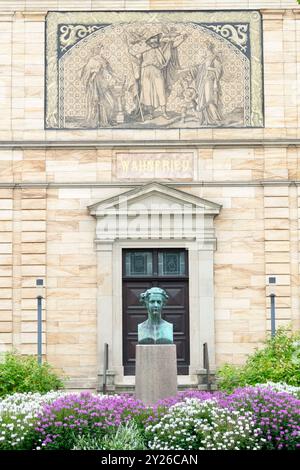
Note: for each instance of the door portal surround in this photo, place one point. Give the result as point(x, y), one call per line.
point(200, 244)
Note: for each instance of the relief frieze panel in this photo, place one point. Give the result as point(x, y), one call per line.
point(153, 70)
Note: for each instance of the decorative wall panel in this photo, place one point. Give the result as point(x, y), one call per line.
point(153, 69)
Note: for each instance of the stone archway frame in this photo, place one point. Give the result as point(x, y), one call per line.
point(116, 228)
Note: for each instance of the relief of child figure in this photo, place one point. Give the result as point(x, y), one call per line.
point(188, 95)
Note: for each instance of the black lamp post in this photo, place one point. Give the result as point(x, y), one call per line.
point(272, 283)
point(39, 283)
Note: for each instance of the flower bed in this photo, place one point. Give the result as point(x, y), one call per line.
point(194, 424)
point(276, 414)
point(281, 387)
point(18, 415)
point(73, 415)
point(261, 417)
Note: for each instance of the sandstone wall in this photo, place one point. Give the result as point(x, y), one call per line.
point(47, 232)
point(45, 228)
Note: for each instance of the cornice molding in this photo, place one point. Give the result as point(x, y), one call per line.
point(134, 184)
point(296, 11)
point(7, 16)
point(278, 13)
point(119, 144)
point(32, 15)
point(39, 15)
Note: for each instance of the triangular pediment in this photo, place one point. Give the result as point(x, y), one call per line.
point(154, 196)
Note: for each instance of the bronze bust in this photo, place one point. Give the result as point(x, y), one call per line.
point(155, 330)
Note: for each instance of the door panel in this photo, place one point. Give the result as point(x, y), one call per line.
point(176, 312)
point(133, 314)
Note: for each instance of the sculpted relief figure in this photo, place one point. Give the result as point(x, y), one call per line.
point(155, 330)
point(158, 61)
point(98, 79)
point(146, 70)
point(207, 78)
point(156, 73)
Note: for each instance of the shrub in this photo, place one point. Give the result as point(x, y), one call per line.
point(276, 415)
point(63, 421)
point(275, 362)
point(23, 374)
point(18, 414)
point(126, 437)
point(195, 424)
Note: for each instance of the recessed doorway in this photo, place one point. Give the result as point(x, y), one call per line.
point(165, 268)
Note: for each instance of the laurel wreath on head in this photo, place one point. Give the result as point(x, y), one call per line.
point(145, 295)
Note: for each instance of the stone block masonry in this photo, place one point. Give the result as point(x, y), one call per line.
point(49, 178)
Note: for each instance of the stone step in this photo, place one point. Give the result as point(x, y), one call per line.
point(131, 389)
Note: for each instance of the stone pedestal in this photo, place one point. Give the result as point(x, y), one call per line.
point(156, 372)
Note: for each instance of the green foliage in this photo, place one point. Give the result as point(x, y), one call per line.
point(23, 374)
point(126, 437)
point(275, 362)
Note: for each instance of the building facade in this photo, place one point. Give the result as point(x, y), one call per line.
point(147, 143)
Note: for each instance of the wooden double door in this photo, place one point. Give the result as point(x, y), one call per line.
point(167, 269)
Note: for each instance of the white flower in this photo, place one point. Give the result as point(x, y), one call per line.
point(281, 387)
point(187, 421)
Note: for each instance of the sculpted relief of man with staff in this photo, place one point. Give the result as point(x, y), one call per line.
point(158, 62)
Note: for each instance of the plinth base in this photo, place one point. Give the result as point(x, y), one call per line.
point(156, 372)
